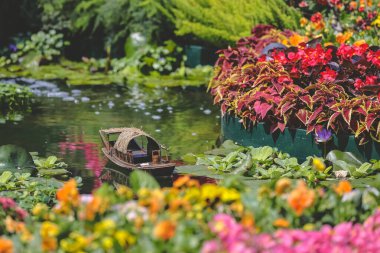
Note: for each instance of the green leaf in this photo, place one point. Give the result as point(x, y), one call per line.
point(347, 157)
point(228, 144)
point(261, 154)
point(51, 159)
point(4, 178)
point(140, 179)
point(14, 158)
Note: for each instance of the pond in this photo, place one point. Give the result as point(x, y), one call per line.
point(65, 122)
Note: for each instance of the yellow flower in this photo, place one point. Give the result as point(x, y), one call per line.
point(75, 243)
point(49, 229)
point(105, 226)
point(281, 223)
point(39, 209)
point(318, 164)
point(376, 22)
point(301, 198)
point(124, 238)
point(125, 192)
point(6, 245)
point(210, 192)
point(326, 44)
point(164, 230)
point(282, 185)
point(229, 195)
point(343, 187)
point(309, 227)
point(107, 243)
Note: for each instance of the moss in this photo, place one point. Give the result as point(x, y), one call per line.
point(77, 73)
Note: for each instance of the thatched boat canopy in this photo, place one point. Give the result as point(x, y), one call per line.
point(126, 141)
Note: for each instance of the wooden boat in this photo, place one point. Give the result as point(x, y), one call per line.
point(125, 148)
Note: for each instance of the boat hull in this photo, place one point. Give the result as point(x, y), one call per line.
point(163, 169)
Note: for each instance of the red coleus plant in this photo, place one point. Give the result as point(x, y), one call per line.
point(304, 87)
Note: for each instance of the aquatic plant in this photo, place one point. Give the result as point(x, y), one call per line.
point(40, 48)
point(270, 163)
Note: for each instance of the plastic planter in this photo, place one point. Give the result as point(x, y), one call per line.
point(293, 141)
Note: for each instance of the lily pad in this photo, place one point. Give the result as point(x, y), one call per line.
point(16, 159)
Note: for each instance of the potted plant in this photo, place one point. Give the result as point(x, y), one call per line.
point(285, 95)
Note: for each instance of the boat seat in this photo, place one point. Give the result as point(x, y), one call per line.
point(139, 154)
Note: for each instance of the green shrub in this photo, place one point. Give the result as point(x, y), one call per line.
point(225, 21)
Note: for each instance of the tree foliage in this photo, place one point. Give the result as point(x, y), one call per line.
point(220, 22)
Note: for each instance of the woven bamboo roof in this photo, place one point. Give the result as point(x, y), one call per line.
point(115, 130)
point(127, 135)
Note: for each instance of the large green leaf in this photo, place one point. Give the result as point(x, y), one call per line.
point(140, 179)
point(16, 159)
point(347, 157)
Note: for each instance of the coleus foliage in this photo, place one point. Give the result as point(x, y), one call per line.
point(308, 86)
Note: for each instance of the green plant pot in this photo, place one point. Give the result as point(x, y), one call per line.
point(294, 141)
point(199, 55)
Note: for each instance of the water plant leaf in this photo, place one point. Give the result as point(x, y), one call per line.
point(16, 159)
point(4, 178)
point(140, 179)
point(261, 154)
point(347, 157)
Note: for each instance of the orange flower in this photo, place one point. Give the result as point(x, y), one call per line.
point(353, 5)
point(49, 244)
point(296, 39)
point(164, 230)
point(303, 21)
point(96, 205)
point(181, 181)
point(342, 38)
point(6, 245)
point(176, 204)
point(185, 181)
point(281, 223)
point(343, 187)
point(248, 220)
point(68, 195)
point(282, 185)
point(301, 198)
point(359, 43)
point(13, 226)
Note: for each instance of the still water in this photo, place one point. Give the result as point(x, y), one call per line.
point(65, 122)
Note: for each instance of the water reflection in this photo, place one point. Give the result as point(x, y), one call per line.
point(182, 119)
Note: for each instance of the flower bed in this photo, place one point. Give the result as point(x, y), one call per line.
point(189, 217)
point(308, 86)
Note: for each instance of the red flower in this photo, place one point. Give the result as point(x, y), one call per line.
point(371, 80)
point(280, 57)
point(328, 75)
point(316, 18)
point(374, 58)
point(358, 84)
point(345, 51)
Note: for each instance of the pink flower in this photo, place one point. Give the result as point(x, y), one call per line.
point(7, 203)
